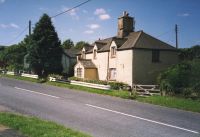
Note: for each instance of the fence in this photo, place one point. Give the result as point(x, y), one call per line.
point(29, 75)
point(147, 89)
point(91, 85)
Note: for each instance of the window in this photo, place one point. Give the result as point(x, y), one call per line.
point(113, 52)
point(112, 73)
point(95, 54)
point(79, 72)
point(155, 56)
point(83, 54)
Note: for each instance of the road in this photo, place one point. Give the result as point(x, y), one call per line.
point(98, 115)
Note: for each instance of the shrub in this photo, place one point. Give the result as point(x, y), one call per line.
point(89, 81)
point(196, 89)
point(117, 85)
point(113, 85)
point(56, 76)
point(181, 79)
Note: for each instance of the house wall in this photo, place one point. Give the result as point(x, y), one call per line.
point(124, 66)
point(65, 63)
point(146, 72)
point(101, 64)
point(68, 64)
point(78, 65)
point(122, 62)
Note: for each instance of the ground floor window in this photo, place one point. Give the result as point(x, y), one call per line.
point(79, 72)
point(113, 73)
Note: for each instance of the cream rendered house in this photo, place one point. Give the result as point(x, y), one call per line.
point(132, 57)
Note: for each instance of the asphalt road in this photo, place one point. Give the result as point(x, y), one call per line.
point(98, 115)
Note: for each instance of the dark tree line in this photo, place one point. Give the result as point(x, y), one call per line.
point(42, 51)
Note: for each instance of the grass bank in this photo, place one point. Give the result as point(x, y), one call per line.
point(173, 102)
point(34, 127)
point(116, 93)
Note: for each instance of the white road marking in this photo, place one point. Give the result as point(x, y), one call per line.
point(36, 92)
point(144, 119)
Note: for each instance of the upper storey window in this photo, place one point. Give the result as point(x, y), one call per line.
point(155, 56)
point(95, 54)
point(83, 54)
point(113, 52)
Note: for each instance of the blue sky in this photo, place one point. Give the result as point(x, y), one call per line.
point(98, 19)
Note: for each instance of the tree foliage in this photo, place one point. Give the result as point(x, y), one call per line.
point(68, 44)
point(45, 52)
point(12, 56)
point(182, 79)
point(81, 44)
point(190, 53)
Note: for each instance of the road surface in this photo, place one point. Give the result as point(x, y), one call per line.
point(98, 115)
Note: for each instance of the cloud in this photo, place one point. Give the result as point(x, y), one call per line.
point(89, 32)
point(2, 1)
point(104, 17)
point(11, 25)
point(53, 20)
point(43, 9)
point(3, 26)
point(184, 14)
point(102, 14)
point(100, 11)
point(72, 13)
point(93, 26)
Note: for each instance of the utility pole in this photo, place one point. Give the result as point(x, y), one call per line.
point(29, 27)
point(176, 31)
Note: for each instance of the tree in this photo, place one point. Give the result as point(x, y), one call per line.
point(190, 53)
point(45, 52)
point(68, 44)
point(81, 44)
point(12, 56)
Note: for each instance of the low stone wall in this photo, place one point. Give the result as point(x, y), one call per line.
point(98, 86)
point(29, 75)
point(10, 73)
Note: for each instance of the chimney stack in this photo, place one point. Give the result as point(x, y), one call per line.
point(126, 25)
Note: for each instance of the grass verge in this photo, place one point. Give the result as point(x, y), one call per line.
point(173, 102)
point(116, 93)
point(20, 78)
point(34, 127)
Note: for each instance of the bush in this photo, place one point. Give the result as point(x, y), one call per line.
point(89, 81)
point(55, 76)
point(182, 79)
point(113, 85)
point(117, 85)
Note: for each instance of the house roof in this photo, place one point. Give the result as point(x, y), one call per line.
point(135, 40)
point(142, 40)
point(71, 52)
point(87, 63)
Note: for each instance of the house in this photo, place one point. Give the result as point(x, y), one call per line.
point(69, 60)
point(132, 57)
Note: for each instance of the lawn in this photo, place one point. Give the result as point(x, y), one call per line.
point(34, 127)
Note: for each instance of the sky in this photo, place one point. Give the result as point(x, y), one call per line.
point(98, 19)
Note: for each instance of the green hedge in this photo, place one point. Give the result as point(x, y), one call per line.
point(114, 85)
point(182, 79)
